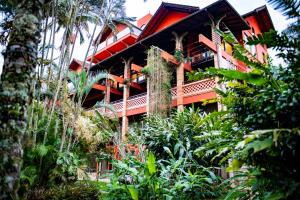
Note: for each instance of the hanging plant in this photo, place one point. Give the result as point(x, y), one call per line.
point(178, 54)
point(146, 70)
point(126, 81)
point(159, 76)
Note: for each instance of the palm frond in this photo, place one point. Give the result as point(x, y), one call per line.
point(92, 80)
point(289, 8)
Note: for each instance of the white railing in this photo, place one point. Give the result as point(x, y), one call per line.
point(138, 101)
point(118, 36)
point(199, 87)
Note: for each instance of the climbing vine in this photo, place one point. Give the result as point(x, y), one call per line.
point(159, 77)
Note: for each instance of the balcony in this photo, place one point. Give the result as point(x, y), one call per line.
point(117, 43)
point(119, 36)
point(193, 92)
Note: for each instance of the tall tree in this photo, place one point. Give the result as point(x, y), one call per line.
point(19, 67)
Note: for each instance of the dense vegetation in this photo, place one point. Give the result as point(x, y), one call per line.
point(250, 150)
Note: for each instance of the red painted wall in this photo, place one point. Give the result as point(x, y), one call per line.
point(261, 50)
point(171, 18)
point(144, 20)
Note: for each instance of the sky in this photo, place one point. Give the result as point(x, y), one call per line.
point(139, 8)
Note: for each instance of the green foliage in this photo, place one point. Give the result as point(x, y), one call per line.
point(178, 170)
point(178, 55)
point(262, 139)
point(86, 190)
point(83, 83)
point(174, 179)
point(53, 162)
point(159, 79)
point(290, 8)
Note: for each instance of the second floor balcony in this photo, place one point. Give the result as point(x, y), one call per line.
point(116, 43)
point(192, 93)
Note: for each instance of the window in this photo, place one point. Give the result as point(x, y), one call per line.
point(227, 47)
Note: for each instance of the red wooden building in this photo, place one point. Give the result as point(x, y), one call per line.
point(124, 55)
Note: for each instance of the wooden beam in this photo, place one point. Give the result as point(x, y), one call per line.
point(136, 68)
point(99, 87)
point(187, 66)
point(208, 43)
point(137, 86)
point(168, 57)
point(132, 84)
point(103, 88)
point(117, 78)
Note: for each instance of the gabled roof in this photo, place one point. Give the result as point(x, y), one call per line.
point(192, 23)
point(107, 30)
point(263, 18)
point(161, 13)
point(77, 64)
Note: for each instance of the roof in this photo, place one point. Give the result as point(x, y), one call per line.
point(107, 30)
point(161, 12)
point(75, 64)
point(263, 18)
point(194, 22)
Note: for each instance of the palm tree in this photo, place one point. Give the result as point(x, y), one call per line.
point(19, 66)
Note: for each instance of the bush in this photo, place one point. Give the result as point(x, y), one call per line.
point(83, 190)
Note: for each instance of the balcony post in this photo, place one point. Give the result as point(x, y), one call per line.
point(126, 91)
point(216, 38)
point(179, 71)
point(107, 91)
point(148, 96)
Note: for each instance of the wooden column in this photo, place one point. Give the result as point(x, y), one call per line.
point(148, 97)
point(126, 91)
point(216, 38)
point(107, 92)
point(179, 72)
point(180, 82)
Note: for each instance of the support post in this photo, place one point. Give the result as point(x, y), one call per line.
point(216, 38)
point(148, 97)
point(125, 98)
point(107, 92)
point(179, 71)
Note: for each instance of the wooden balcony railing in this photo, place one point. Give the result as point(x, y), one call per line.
point(139, 101)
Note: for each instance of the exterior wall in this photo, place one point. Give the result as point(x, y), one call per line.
point(170, 19)
point(144, 21)
point(260, 50)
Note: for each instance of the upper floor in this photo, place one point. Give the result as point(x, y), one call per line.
point(199, 48)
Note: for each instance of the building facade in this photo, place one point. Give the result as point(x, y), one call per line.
point(172, 28)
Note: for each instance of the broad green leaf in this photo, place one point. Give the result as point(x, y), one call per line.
point(151, 163)
point(253, 78)
point(133, 192)
point(176, 147)
point(260, 145)
point(234, 165)
point(167, 149)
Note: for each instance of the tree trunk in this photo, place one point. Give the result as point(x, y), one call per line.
point(20, 59)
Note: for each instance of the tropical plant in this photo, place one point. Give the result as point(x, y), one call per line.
point(88, 190)
point(82, 83)
point(262, 108)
